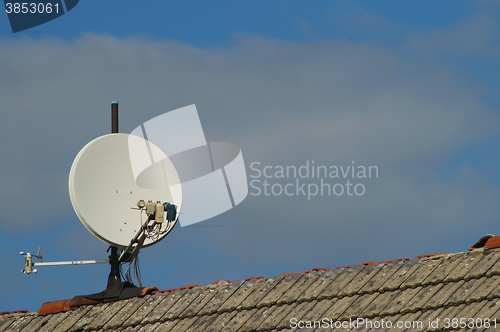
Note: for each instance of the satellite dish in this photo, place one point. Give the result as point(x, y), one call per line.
point(125, 191)
point(105, 193)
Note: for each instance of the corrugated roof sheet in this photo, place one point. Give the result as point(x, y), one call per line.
point(460, 285)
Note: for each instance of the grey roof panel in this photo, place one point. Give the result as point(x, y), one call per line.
point(20, 324)
point(324, 279)
point(182, 303)
point(425, 317)
point(295, 312)
point(127, 329)
point(300, 286)
point(149, 304)
point(223, 293)
point(302, 311)
point(54, 320)
point(345, 276)
point(384, 273)
point(106, 315)
point(206, 295)
point(467, 263)
point(471, 309)
point(218, 324)
point(242, 317)
point(418, 302)
point(462, 292)
point(443, 294)
point(488, 259)
point(149, 328)
point(489, 309)
point(239, 295)
point(378, 303)
point(494, 270)
point(168, 300)
point(451, 311)
point(425, 268)
point(359, 305)
point(167, 326)
point(70, 319)
point(5, 322)
point(495, 293)
point(443, 270)
point(359, 280)
point(86, 318)
point(36, 324)
point(234, 321)
point(338, 308)
point(202, 322)
point(183, 324)
point(404, 272)
point(318, 309)
point(129, 309)
point(17, 323)
point(260, 290)
point(279, 312)
point(252, 318)
point(313, 312)
point(399, 301)
point(491, 317)
point(284, 284)
point(487, 287)
point(431, 287)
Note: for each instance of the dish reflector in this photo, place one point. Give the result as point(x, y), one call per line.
point(104, 192)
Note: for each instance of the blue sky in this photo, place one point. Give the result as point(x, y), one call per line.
point(411, 87)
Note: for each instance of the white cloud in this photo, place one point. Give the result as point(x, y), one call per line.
point(475, 36)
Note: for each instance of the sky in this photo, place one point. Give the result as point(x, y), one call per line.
point(408, 88)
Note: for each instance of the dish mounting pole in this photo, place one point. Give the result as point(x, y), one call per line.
point(114, 275)
point(115, 288)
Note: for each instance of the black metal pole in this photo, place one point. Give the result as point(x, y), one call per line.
point(114, 274)
point(114, 117)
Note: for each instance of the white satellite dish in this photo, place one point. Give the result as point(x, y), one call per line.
point(126, 192)
point(105, 195)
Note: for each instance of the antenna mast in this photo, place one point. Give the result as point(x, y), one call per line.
point(114, 117)
point(114, 279)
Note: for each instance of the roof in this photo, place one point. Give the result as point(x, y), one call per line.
point(442, 285)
